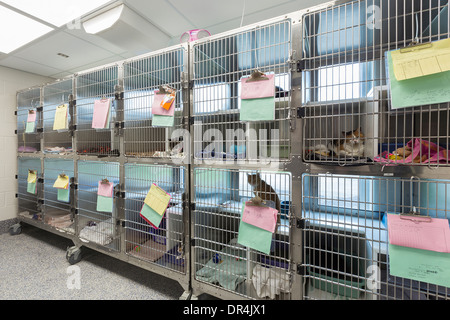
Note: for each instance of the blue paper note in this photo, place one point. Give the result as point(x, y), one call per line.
point(151, 216)
point(163, 121)
point(63, 195)
point(262, 109)
point(31, 187)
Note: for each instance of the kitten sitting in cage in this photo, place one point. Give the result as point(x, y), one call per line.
point(351, 146)
point(264, 191)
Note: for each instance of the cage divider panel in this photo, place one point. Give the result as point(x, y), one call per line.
point(27, 100)
point(96, 85)
point(142, 77)
point(54, 95)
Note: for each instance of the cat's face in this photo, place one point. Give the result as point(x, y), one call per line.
point(252, 179)
point(354, 137)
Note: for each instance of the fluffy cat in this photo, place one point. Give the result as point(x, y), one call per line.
point(351, 146)
point(264, 191)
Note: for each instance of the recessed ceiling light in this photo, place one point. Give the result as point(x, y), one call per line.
point(56, 12)
point(18, 30)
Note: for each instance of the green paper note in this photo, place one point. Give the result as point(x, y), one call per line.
point(424, 90)
point(105, 204)
point(31, 188)
point(63, 195)
point(163, 121)
point(421, 265)
point(30, 127)
point(151, 216)
point(254, 237)
point(262, 109)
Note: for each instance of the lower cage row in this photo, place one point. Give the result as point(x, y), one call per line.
point(235, 233)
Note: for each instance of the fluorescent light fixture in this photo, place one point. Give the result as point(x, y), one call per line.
point(56, 12)
point(17, 30)
point(103, 21)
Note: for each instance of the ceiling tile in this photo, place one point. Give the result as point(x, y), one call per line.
point(80, 52)
point(28, 66)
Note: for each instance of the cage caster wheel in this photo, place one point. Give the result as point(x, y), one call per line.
point(73, 255)
point(15, 229)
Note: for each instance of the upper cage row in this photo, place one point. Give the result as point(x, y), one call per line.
point(329, 66)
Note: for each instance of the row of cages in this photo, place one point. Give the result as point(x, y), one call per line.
point(328, 69)
point(342, 252)
point(331, 106)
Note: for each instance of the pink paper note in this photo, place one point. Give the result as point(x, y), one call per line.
point(261, 217)
point(105, 189)
point(158, 110)
point(31, 116)
point(258, 89)
point(101, 110)
point(420, 233)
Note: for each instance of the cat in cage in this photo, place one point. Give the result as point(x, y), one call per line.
point(263, 190)
point(352, 145)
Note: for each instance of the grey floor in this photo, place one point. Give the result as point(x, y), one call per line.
point(33, 267)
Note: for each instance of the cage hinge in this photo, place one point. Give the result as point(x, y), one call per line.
point(301, 270)
point(300, 65)
point(192, 242)
point(40, 109)
point(15, 113)
point(191, 121)
point(17, 177)
point(300, 223)
point(15, 131)
point(74, 211)
point(17, 195)
point(74, 186)
point(40, 180)
point(120, 124)
point(40, 130)
point(118, 96)
point(192, 206)
point(41, 201)
point(301, 112)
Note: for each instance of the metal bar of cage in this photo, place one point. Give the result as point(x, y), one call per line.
point(220, 264)
point(143, 78)
point(346, 245)
point(346, 85)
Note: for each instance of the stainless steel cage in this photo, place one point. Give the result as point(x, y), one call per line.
point(346, 243)
point(92, 86)
point(143, 136)
point(54, 95)
point(28, 196)
point(219, 64)
point(160, 245)
point(346, 84)
point(58, 204)
point(95, 225)
point(219, 261)
point(29, 101)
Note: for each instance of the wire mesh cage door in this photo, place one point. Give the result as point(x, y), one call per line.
point(57, 136)
point(350, 96)
point(158, 239)
point(148, 82)
point(348, 252)
point(59, 199)
point(96, 112)
point(97, 217)
point(228, 124)
point(29, 190)
point(29, 120)
point(221, 263)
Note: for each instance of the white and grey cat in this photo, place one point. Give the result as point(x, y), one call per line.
point(351, 146)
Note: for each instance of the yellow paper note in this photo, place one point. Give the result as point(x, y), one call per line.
point(31, 176)
point(60, 121)
point(62, 182)
point(157, 199)
point(421, 60)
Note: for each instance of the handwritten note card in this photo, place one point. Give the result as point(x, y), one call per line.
point(254, 237)
point(62, 182)
point(60, 121)
point(261, 217)
point(258, 89)
point(420, 233)
point(157, 199)
point(157, 106)
point(105, 189)
point(421, 60)
point(31, 116)
point(32, 176)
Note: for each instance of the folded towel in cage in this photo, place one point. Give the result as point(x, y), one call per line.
point(101, 232)
point(415, 151)
point(227, 268)
point(269, 282)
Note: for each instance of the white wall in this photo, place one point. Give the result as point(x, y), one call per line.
point(11, 81)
